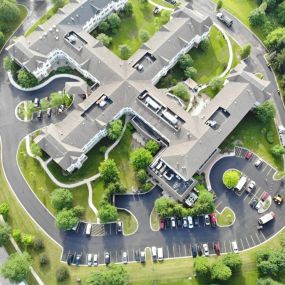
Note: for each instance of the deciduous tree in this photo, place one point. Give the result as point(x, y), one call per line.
point(9, 11)
point(107, 213)
point(152, 146)
point(109, 171)
point(26, 79)
point(104, 39)
point(277, 150)
point(66, 219)
point(202, 266)
point(220, 271)
point(61, 198)
point(180, 90)
point(231, 178)
point(265, 112)
point(114, 129)
point(5, 232)
point(233, 261)
point(141, 158)
point(125, 51)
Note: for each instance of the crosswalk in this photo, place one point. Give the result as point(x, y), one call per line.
point(98, 230)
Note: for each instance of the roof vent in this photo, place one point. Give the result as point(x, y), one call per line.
point(50, 29)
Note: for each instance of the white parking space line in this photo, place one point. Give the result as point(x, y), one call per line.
point(190, 248)
point(271, 170)
point(173, 251)
point(225, 246)
point(258, 237)
point(252, 240)
point(248, 245)
point(264, 168)
point(179, 252)
point(262, 235)
point(242, 244)
point(116, 256)
point(246, 196)
point(133, 254)
point(185, 250)
point(167, 249)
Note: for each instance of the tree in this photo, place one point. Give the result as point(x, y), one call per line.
point(204, 45)
point(58, 3)
point(17, 235)
point(141, 158)
point(104, 39)
point(245, 51)
point(79, 211)
point(265, 112)
point(113, 275)
point(114, 129)
point(125, 51)
point(114, 22)
point(276, 39)
point(185, 61)
point(108, 213)
point(66, 219)
point(127, 11)
point(62, 273)
point(10, 65)
point(36, 149)
point(190, 72)
point(5, 232)
point(220, 271)
point(278, 62)
point(257, 17)
point(281, 13)
point(43, 259)
point(144, 35)
point(267, 281)
point(233, 261)
point(216, 84)
point(202, 266)
point(180, 90)
point(277, 150)
point(219, 5)
point(152, 146)
point(61, 198)
point(38, 244)
point(231, 178)
point(104, 27)
point(4, 209)
point(109, 171)
point(2, 39)
point(27, 239)
point(164, 207)
point(17, 267)
point(204, 204)
point(9, 11)
point(26, 79)
point(142, 176)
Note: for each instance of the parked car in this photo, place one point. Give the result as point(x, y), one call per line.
point(264, 196)
point(154, 253)
point(37, 102)
point(185, 223)
point(253, 203)
point(213, 219)
point(119, 227)
point(194, 250)
point(206, 249)
point(196, 221)
point(89, 259)
point(207, 220)
point(179, 222)
point(137, 256)
point(95, 260)
point(167, 222)
point(142, 259)
point(107, 258)
point(156, 10)
point(251, 186)
point(259, 205)
point(70, 258)
point(278, 199)
point(190, 222)
point(248, 155)
point(125, 257)
point(173, 223)
point(78, 259)
point(258, 163)
point(161, 224)
point(199, 249)
point(217, 248)
point(235, 246)
point(49, 112)
point(225, 19)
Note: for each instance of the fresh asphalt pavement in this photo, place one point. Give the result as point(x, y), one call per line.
point(176, 242)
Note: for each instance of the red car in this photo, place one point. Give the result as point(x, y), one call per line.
point(248, 155)
point(161, 224)
point(264, 196)
point(213, 219)
point(217, 248)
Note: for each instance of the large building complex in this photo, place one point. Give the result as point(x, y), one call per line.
point(127, 88)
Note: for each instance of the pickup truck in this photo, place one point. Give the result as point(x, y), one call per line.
point(224, 19)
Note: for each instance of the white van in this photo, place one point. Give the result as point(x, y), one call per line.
point(154, 253)
point(88, 229)
point(89, 259)
point(235, 246)
point(241, 183)
point(266, 218)
point(160, 253)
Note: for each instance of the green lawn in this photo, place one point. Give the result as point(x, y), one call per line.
point(98, 191)
point(165, 4)
point(88, 169)
point(11, 27)
point(154, 219)
point(43, 186)
point(251, 133)
point(209, 64)
point(121, 155)
point(226, 217)
point(43, 19)
point(129, 222)
point(142, 19)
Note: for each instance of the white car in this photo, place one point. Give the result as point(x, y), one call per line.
point(190, 222)
point(206, 249)
point(95, 260)
point(185, 225)
point(173, 224)
point(259, 205)
point(125, 257)
point(89, 259)
point(258, 163)
point(251, 186)
point(235, 246)
point(207, 220)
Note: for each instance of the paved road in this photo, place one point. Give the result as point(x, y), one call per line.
point(176, 242)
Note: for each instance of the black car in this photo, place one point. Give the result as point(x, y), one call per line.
point(194, 250)
point(107, 258)
point(199, 249)
point(137, 256)
point(196, 221)
point(70, 258)
point(179, 222)
point(253, 203)
point(167, 222)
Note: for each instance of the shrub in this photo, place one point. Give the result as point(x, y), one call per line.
point(142, 176)
point(204, 45)
point(144, 35)
point(125, 51)
point(152, 146)
point(245, 51)
point(62, 273)
point(231, 178)
point(43, 259)
point(27, 239)
point(78, 211)
point(104, 39)
point(38, 244)
point(277, 150)
point(17, 235)
point(270, 137)
point(4, 209)
point(26, 79)
point(103, 149)
point(180, 90)
point(61, 198)
point(146, 186)
point(219, 5)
